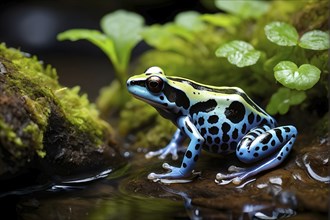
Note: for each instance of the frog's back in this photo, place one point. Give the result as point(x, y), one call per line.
point(209, 97)
point(222, 115)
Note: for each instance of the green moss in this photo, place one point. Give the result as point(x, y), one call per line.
point(81, 113)
point(39, 90)
point(158, 136)
point(7, 131)
point(33, 131)
point(130, 122)
point(149, 128)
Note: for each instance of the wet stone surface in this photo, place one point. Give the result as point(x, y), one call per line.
point(298, 189)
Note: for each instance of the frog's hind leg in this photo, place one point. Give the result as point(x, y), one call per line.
point(172, 148)
point(264, 147)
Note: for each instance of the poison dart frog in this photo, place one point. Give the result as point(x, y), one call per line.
point(220, 120)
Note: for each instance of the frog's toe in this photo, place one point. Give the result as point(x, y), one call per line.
point(235, 169)
point(175, 175)
point(161, 177)
point(221, 176)
point(164, 155)
point(151, 154)
point(237, 180)
point(171, 149)
point(153, 176)
point(169, 181)
point(223, 179)
point(168, 167)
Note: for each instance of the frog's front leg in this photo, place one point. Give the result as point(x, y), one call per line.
point(267, 146)
point(173, 147)
point(191, 156)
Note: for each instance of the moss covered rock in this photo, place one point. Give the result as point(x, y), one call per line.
point(47, 127)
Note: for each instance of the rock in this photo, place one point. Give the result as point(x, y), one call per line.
point(287, 190)
point(46, 128)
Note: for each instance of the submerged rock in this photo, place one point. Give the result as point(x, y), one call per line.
point(46, 128)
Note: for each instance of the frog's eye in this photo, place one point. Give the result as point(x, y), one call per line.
point(154, 84)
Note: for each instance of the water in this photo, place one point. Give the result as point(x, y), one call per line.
point(289, 191)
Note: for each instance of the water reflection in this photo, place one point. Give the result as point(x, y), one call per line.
point(127, 194)
point(100, 200)
point(312, 171)
point(192, 211)
point(266, 212)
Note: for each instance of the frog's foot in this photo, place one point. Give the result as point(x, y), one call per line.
point(235, 169)
point(171, 149)
point(236, 175)
point(236, 178)
point(173, 176)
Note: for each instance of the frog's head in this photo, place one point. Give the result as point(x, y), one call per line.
point(159, 91)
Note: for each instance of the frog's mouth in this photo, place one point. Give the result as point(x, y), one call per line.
point(150, 102)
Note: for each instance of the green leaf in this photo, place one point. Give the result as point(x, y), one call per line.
point(315, 40)
point(283, 99)
point(239, 53)
point(95, 37)
point(124, 29)
point(189, 20)
point(222, 20)
point(282, 33)
point(166, 37)
point(302, 78)
point(243, 8)
point(179, 31)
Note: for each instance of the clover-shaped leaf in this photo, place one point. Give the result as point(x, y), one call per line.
point(302, 78)
point(283, 99)
point(282, 33)
point(315, 40)
point(239, 53)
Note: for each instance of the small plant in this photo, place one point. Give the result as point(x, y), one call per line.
point(280, 64)
point(286, 72)
point(121, 33)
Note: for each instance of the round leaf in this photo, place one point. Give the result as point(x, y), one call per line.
point(282, 33)
point(243, 8)
point(302, 78)
point(189, 20)
point(315, 40)
point(124, 29)
point(283, 99)
point(239, 53)
point(123, 26)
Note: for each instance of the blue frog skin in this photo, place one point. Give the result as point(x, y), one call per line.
point(220, 120)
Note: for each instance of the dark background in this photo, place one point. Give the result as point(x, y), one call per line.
point(32, 26)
